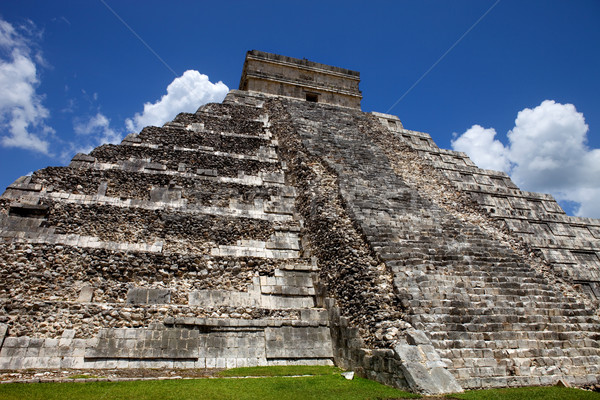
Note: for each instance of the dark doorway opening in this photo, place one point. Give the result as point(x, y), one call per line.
point(314, 98)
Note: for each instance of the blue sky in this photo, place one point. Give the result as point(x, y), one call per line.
point(519, 92)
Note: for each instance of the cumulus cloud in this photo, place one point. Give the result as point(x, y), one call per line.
point(547, 145)
point(99, 127)
point(185, 94)
point(92, 132)
point(22, 113)
point(546, 152)
point(481, 145)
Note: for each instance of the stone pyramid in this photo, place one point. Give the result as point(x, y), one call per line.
point(286, 226)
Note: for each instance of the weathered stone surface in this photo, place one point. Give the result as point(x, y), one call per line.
point(148, 296)
point(270, 230)
point(166, 343)
point(86, 294)
point(422, 375)
point(298, 342)
point(307, 80)
point(416, 337)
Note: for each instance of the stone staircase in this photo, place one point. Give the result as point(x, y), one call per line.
point(569, 244)
point(182, 247)
point(496, 321)
point(493, 319)
point(178, 248)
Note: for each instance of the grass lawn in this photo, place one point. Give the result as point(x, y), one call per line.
point(273, 383)
point(276, 388)
point(529, 393)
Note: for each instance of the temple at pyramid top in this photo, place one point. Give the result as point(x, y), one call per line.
point(286, 76)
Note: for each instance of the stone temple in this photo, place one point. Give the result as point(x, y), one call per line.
point(285, 226)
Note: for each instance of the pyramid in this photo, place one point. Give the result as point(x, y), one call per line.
point(285, 226)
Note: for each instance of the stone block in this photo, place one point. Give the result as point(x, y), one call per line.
point(409, 353)
point(8, 352)
point(429, 381)
point(114, 344)
point(10, 342)
point(17, 362)
point(51, 342)
point(165, 195)
point(273, 177)
point(297, 342)
point(148, 296)
point(22, 341)
point(30, 363)
point(5, 362)
point(83, 158)
point(86, 294)
point(154, 166)
point(207, 172)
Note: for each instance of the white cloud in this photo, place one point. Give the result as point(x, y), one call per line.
point(22, 114)
point(546, 152)
point(547, 145)
point(481, 145)
point(185, 94)
point(99, 127)
point(92, 132)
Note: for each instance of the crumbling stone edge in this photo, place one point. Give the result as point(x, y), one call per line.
point(348, 283)
point(414, 366)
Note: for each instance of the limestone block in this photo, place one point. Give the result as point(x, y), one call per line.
point(133, 165)
point(273, 177)
point(501, 202)
point(165, 195)
point(279, 207)
point(422, 369)
point(287, 191)
point(561, 229)
point(417, 337)
point(283, 302)
point(153, 166)
point(434, 382)
point(594, 230)
point(83, 158)
point(207, 172)
point(552, 207)
point(516, 225)
point(86, 294)
point(267, 153)
point(298, 342)
point(224, 298)
point(319, 316)
point(131, 138)
point(29, 210)
point(148, 296)
point(409, 353)
point(284, 243)
point(170, 343)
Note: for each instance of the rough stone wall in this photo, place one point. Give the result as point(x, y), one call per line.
point(488, 305)
point(268, 230)
point(177, 248)
point(566, 248)
point(292, 77)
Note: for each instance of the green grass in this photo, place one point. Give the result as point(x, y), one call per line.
point(273, 383)
point(529, 393)
point(282, 371)
point(320, 387)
